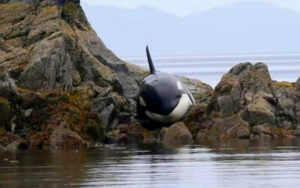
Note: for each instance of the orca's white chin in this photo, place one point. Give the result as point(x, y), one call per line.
point(176, 115)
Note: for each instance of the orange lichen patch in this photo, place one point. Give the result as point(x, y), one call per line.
point(285, 84)
point(46, 14)
point(68, 32)
point(39, 140)
point(71, 109)
point(119, 100)
point(14, 11)
point(226, 83)
point(282, 133)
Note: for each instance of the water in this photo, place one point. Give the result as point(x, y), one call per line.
point(209, 69)
point(235, 164)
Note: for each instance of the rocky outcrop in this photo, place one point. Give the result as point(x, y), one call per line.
point(57, 76)
point(62, 88)
point(247, 103)
point(176, 135)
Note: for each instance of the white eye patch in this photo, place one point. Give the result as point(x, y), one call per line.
point(179, 85)
point(142, 102)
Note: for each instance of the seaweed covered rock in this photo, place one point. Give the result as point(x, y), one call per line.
point(248, 95)
point(57, 76)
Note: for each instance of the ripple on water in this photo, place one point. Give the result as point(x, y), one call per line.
point(234, 164)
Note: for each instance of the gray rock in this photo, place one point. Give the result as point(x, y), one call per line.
point(8, 88)
point(259, 111)
point(263, 129)
point(226, 105)
point(16, 145)
point(50, 67)
point(105, 115)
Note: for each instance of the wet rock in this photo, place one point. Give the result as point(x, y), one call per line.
point(263, 129)
point(39, 140)
point(7, 137)
point(8, 88)
point(224, 129)
point(106, 115)
point(259, 111)
point(226, 105)
point(17, 145)
point(95, 130)
point(6, 112)
point(63, 138)
point(285, 94)
point(176, 135)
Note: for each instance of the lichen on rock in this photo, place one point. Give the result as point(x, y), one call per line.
point(56, 72)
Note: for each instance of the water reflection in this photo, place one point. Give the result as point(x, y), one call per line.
point(244, 163)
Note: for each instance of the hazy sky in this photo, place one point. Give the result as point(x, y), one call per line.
point(186, 7)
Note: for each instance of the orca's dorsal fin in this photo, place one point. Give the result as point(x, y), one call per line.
point(150, 62)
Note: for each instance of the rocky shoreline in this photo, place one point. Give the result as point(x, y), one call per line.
point(62, 88)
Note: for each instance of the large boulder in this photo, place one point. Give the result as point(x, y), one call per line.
point(259, 111)
point(233, 127)
point(8, 88)
point(64, 138)
point(247, 89)
point(176, 135)
point(248, 97)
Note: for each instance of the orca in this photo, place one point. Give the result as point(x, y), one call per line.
point(162, 97)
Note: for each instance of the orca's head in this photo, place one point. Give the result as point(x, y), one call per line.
point(160, 93)
point(163, 96)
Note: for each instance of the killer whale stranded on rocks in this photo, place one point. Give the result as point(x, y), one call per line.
point(62, 88)
point(163, 97)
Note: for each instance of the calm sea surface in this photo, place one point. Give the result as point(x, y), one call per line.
point(247, 164)
point(209, 69)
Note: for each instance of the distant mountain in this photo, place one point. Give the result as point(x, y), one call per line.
point(237, 28)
